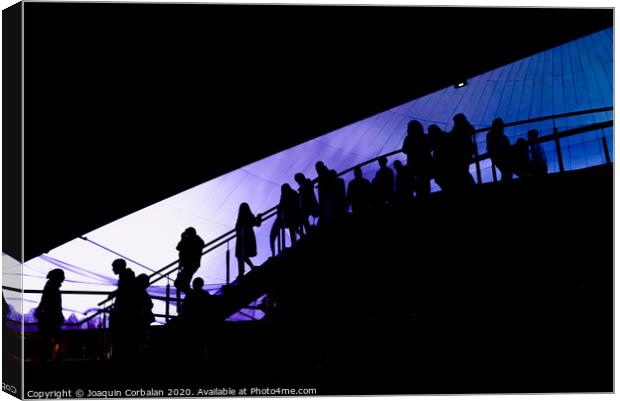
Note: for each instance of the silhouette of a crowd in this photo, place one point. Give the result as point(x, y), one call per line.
point(444, 157)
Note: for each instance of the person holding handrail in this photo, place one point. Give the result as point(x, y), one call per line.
point(289, 213)
point(498, 147)
point(49, 314)
point(308, 203)
point(190, 253)
point(359, 193)
point(383, 184)
point(123, 316)
point(463, 150)
point(417, 148)
point(245, 247)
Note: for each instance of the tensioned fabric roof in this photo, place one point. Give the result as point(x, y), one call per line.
point(574, 76)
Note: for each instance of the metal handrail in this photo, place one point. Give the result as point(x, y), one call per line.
point(266, 215)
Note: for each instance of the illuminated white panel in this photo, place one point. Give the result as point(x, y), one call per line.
point(574, 76)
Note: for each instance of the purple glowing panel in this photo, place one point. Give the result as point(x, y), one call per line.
point(574, 76)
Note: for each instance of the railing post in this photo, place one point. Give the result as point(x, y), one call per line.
point(493, 171)
point(168, 301)
point(227, 262)
point(178, 296)
point(558, 149)
point(605, 148)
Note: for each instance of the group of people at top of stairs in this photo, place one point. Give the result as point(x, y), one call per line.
point(442, 156)
point(446, 157)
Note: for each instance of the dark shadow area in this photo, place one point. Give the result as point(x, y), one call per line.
point(505, 288)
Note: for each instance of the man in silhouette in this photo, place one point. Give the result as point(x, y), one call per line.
point(359, 193)
point(417, 148)
point(144, 310)
point(123, 317)
point(289, 212)
point(383, 184)
point(462, 150)
point(196, 308)
point(308, 203)
point(498, 147)
point(521, 158)
point(190, 253)
point(197, 318)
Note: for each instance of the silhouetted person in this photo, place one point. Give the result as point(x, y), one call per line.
point(521, 158)
point(246, 239)
point(439, 143)
point(538, 158)
point(190, 252)
point(289, 211)
point(417, 148)
point(196, 309)
point(308, 203)
point(198, 319)
point(498, 147)
point(383, 184)
point(404, 183)
point(462, 151)
point(49, 314)
point(123, 322)
point(328, 194)
point(144, 308)
point(359, 195)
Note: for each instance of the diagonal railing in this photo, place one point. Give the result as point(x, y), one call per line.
point(225, 238)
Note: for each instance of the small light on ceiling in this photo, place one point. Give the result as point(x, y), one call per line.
point(460, 84)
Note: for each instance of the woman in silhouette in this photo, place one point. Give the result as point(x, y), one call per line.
point(49, 312)
point(246, 240)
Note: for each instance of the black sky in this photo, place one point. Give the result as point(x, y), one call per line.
point(128, 104)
